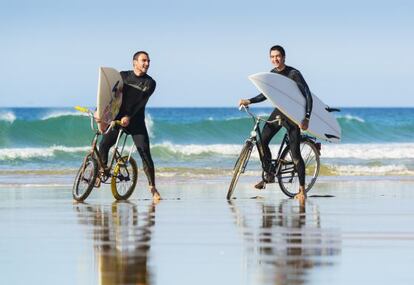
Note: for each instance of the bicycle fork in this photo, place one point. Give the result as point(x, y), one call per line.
point(249, 152)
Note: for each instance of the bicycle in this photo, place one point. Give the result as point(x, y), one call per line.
point(282, 167)
point(122, 170)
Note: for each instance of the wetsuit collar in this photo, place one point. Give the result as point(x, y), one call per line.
point(284, 66)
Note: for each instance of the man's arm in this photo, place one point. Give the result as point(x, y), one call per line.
point(304, 89)
point(256, 99)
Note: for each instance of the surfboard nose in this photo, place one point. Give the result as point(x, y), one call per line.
point(255, 77)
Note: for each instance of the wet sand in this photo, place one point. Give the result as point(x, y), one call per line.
point(350, 231)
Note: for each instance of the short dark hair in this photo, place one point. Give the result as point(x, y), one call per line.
point(136, 55)
point(279, 49)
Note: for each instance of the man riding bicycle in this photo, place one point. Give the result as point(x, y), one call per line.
point(138, 87)
point(277, 58)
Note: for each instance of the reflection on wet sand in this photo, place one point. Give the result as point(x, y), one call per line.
point(284, 242)
point(121, 240)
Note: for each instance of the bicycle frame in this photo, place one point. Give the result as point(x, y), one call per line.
point(256, 139)
point(122, 136)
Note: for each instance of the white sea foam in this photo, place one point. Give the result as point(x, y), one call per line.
point(337, 151)
point(29, 153)
point(150, 125)
point(329, 151)
point(369, 151)
point(370, 170)
point(196, 149)
point(7, 116)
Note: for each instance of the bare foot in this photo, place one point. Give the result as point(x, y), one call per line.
point(156, 197)
point(301, 196)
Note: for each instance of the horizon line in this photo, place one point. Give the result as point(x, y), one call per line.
point(194, 107)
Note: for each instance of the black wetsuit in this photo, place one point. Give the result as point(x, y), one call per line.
point(136, 92)
point(270, 130)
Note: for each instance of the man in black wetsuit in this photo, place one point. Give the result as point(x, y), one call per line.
point(138, 87)
point(277, 57)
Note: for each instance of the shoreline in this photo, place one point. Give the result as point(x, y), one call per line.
point(33, 179)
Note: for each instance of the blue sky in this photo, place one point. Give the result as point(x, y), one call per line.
point(351, 53)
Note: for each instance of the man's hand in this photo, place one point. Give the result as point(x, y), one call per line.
point(125, 121)
point(95, 115)
point(244, 102)
point(304, 124)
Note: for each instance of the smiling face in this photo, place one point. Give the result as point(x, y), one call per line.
point(141, 64)
point(277, 59)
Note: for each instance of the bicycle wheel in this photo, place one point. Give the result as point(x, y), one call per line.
point(85, 179)
point(124, 179)
point(288, 177)
point(240, 166)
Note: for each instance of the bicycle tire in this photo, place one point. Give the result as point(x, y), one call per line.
point(124, 178)
point(90, 168)
point(288, 176)
point(240, 166)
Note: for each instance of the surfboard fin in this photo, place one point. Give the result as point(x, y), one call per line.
point(329, 109)
point(329, 136)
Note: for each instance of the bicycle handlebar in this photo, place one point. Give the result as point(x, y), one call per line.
point(257, 118)
point(111, 124)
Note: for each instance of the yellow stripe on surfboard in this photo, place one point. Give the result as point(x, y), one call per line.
point(82, 109)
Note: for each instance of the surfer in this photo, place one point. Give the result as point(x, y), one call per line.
point(277, 58)
point(138, 87)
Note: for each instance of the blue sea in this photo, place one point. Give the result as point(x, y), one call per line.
point(205, 141)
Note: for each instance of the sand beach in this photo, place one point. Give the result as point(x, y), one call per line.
point(350, 231)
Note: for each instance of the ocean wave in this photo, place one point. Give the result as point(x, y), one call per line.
point(9, 117)
point(73, 129)
point(349, 117)
point(168, 150)
point(337, 151)
point(54, 115)
point(195, 149)
point(150, 125)
point(361, 170)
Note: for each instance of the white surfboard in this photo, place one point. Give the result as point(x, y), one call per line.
point(285, 94)
point(109, 97)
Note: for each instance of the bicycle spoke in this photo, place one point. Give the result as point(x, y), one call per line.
point(289, 180)
point(124, 179)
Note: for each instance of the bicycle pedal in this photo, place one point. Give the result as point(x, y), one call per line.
point(97, 182)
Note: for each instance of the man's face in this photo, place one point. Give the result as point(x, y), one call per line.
point(277, 59)
point(142, 63)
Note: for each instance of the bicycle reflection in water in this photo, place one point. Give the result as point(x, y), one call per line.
point(121, 241)
point(284, 242)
